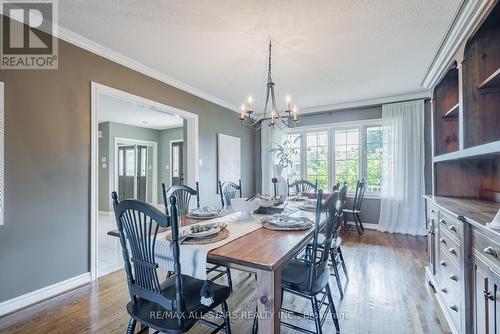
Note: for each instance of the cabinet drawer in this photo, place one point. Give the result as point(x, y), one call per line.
point(451, 224)
point(489, 249)
point(452, 307)
point(449, 245)
point(432, 210)
point(449, 274)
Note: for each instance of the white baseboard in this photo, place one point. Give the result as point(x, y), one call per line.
point(368, 226)
point(36, 296)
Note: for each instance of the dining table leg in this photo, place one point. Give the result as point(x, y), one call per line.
point(269, 301)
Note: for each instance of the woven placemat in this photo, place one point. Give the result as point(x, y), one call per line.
point(221, 235)
point(297, 227)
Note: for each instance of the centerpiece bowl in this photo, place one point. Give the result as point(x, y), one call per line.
point(245, 207)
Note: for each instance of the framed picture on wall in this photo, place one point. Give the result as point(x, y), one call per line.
point(228, 158)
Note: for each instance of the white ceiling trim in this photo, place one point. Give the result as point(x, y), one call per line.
point(461, 26)
point(370, 102)
point(89, 45)
point(112, 55)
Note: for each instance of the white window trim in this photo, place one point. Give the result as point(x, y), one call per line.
point(330, 128)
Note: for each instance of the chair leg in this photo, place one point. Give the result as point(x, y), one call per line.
point(229, 279)
point(336, 274)
point(131, 326)
point(333, 311)
point(360, 222)
point(317, 316)
point(227, 324)
point(344, 267)
point(255, 327)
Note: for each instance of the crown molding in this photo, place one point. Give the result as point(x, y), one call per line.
point(103, 51)
point(121, 59)
point(421, 94)
point(462, 24)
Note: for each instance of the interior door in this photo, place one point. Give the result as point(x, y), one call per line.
point(142, 169)
point(177, 165)
point(126, 172)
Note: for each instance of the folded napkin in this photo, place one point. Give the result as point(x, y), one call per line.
point(193, 258)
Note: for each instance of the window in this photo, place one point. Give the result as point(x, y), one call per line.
point(339, 154)
point(295, 140)
point(317, 158)
point(347, 156)
point(175, 161)
point(374, 157)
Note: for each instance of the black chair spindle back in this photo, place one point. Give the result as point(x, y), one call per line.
point(138, 225)
point(360, 194)
point(229, 190)
point(183, 195)
point(332, 222)
point(304, 186)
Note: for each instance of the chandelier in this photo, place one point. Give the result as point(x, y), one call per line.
point(285, 119)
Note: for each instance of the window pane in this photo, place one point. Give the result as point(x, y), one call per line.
point(130, 162)
point(374, 157)
point(120, 163)
point(175, 161)
point(143, 161)
point(317, 158)
point(347, 159)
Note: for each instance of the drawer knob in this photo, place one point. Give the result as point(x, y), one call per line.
point(442, 263)
point(454, 308)
point(487, 295)
point(443, 240)
point(490, 251)
point(442, 221)
point(453, 277)
point(452, 228)
point(453, 251)
point(444, 290)
point(432, 211)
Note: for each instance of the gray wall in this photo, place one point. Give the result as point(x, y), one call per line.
point(45, 238)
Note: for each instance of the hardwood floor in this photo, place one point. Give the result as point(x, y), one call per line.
point(386, 293)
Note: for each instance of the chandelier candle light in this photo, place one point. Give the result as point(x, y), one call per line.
point(288, 118)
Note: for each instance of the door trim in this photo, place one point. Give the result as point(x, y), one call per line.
point(170, 154)
point(129, 141)
point(192, 150)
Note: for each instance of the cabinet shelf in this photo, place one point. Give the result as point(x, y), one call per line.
point(491, 84)
point(452, 113)
point(484, 150)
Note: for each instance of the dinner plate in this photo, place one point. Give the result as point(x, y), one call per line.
point(283, 220)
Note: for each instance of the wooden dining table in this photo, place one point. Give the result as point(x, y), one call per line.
point(263, 252)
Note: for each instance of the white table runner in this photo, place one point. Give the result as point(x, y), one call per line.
point(193, 258)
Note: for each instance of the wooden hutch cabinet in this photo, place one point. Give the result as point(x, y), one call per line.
point(464, 254)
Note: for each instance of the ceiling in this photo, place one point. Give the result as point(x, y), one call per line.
point(112, 109)
point(325, 52)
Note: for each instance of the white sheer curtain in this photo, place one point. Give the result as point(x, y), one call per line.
point(402, 205)
point(267, 137)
